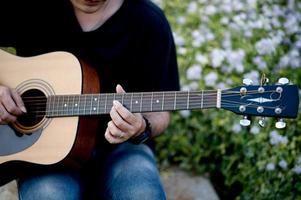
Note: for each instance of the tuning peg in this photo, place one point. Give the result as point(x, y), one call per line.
point(245, 121)
point(262, 122)
point(247, 81)
point(280, 124)
point(283, 81)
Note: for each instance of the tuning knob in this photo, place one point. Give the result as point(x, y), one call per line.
point(280, 124)
point(283, 81)
point(262, 122)
point(247, 81)
point(245, 121)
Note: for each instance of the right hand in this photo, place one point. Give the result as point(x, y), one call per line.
point(11, 105)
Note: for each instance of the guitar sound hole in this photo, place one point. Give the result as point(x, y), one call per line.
point(35, 103)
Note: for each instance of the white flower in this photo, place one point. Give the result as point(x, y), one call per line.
point(276, 139)
point(265, 46)
point(182, 50)
point(192, 7)
point(297, 169)
point(248, 33)
point(259, 62)
point(236, 128)
point(282, 164)
point(235, 59)
point(270, 167)
point(179, 40)
point(292, 24)
point(255, 130)
point(253, 75)
point(185, 113)
point(224, 20)
point(284, 61)
point(210, 10)
point(181, 20)
point(252, 3)
point(194, 72)
point(217, 57)
point(210, 79)
point(202, 59)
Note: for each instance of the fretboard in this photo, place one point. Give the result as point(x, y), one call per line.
point(96, 104)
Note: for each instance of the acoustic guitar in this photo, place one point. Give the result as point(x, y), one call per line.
point(61, 95)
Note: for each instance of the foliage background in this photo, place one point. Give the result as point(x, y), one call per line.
point(220, 42)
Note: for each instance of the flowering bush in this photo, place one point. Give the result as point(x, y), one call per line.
point(220, 42)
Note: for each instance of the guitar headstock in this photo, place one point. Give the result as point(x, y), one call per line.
point(280, 101)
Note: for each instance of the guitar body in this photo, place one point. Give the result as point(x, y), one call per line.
point(45, 140)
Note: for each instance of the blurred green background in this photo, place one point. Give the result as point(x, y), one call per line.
point(219, 43)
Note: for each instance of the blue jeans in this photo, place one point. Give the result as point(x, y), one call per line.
point(128, 172)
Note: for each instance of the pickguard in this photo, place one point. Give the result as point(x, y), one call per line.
point(12, 142)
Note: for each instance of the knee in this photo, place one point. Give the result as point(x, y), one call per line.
point(52, 187)
point(134, 175)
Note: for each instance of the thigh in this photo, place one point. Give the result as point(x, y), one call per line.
point(130, 172)
point(50, 186)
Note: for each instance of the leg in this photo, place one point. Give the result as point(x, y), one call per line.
point(130, 172)
point(51, 186)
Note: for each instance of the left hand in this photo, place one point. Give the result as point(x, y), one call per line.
point(124, 124)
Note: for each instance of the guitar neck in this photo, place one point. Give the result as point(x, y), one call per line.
point(96, 104)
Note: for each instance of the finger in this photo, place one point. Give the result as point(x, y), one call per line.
point(5, 116)
point(119, 121)
point(115, 131)
point(124, 113)
point(10, 106)
point(119, 89)
point(111, 139)
point(18, 100)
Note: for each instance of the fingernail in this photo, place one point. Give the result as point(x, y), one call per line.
point(23, 109)
point(115, 102)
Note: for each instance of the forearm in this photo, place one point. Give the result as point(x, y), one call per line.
point(159, 121)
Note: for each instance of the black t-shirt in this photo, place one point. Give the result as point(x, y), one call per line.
point(134, 47)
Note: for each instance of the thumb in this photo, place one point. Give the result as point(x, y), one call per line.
point(119, 89)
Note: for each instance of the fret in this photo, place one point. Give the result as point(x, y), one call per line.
point(48, 107)
point(151, 102)
point(146, 102)
point(175, 102)
point(106, 100)
point(131, 107)
point(72, 105)
point(157, 101)
point(168, 101)
point(109, 104)
point(162, 101)
point(182, 99)
point(188, 100)
point(141, 102)
point(202, 99)
point(59, 105)
point(76, 105)
point(122, 98)
point(127, 100)
point(102, 104)
point(136, 97)
point(119, 97)
point(94, 104)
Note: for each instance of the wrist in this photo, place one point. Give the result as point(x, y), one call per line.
point(145, 135)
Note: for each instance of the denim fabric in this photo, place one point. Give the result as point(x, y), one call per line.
point(127, 173)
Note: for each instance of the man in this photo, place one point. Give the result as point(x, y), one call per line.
point(130, 44)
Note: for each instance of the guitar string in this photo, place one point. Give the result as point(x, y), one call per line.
point(83, 111)
point(177, 93)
